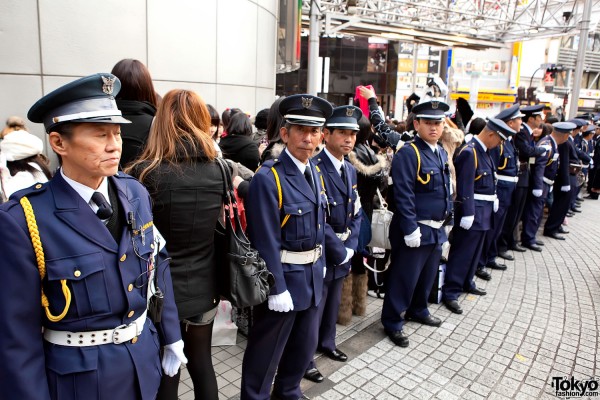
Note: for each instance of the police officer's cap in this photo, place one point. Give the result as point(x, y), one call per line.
point(500, 127)
point(89, 99)
point(435, 110)
point(305, 109)
point(563, 127)
point(344, 117)
point(591, 128)
point(510, 113)
point(578, 122)
point(533, 110)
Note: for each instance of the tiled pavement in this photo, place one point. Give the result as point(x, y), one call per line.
point(538, 321)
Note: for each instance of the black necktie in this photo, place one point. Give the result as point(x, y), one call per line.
point(309, 179)
point(105, 211)
point(439, 157)
point(343, 174)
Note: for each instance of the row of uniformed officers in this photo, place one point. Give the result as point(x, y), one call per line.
point(82, 260)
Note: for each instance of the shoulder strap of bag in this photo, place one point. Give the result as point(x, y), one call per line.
point(41, 262)
point(229, 202)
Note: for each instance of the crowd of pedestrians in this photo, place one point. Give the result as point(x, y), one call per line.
point(120, 240)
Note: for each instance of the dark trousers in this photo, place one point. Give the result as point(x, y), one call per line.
point(327, 314)
point(532, 216)
point(465, 251)
point(410, 279)
point(490, 245)
point(558, 211)
point(282, 342)
point(507, 238)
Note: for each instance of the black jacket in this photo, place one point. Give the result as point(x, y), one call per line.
point(186, 206)
point(240, 149)
point(134, 135)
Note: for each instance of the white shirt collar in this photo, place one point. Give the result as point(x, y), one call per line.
point(481, 143)
point(86, 192)
point(337, 164)
point(555, 145)
point(528, 128)
point(433, 147)
point(301, 166)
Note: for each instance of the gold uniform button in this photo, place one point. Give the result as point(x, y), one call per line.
point(130, 314)
point(123, 257)
point(77, 273)
point(130, 287)
point(151, 245)
point(299, 211)
point(349, 214)
point(319, 226)
point(38, 186)
point(349, 200)
point(134, 340)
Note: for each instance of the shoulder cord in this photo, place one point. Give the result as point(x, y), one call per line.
point(505, 159)
point(423, 181)
point(39, 255)
point(280, 192)
point(476, 164)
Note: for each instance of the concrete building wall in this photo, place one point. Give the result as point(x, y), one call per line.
point(224, 50)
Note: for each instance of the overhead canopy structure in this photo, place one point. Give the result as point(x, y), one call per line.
point(476, 24)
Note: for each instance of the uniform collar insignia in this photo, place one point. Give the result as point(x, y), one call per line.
point(349, 112)
point(108, 85)
point(306, 102)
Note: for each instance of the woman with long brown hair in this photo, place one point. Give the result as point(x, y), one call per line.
point(179, 170)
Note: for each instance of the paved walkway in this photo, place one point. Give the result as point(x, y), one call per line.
point(538, 321)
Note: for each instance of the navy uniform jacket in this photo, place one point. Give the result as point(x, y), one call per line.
point(523, 141)
point(545, 166)
point(505, 159)
point(562, 175)
point(581, 154)
point(474, 178)
point(104, 279)
point(416, 201)
point(303, 230)
point(341, 199)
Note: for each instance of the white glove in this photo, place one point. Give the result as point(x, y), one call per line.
point(414, 239)
point(173, 357)
point(566, 188)
point(281, 302)
point(537, 192)
point(551, 189)
point(349, 254)
point(466, 222)
point(496, 204)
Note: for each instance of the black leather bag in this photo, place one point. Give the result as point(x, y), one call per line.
point(244, 277)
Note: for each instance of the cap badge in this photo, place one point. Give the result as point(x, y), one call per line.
point(435, 104)
point(108, 85)
point(306, 102)
point(349, 112)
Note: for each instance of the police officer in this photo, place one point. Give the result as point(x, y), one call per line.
point(285, 209)
point(543, 173)
point(96, 251)
point(505, 160)
point(343, 223)
point(476, 202)
point(422, 194)
point(527, 151)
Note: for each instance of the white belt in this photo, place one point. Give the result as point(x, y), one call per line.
point(585, 165)
point(507, 178)
point(485, 197)
point(548, 181)
point(118, 335)
point(432, 223)
point(301, 257)
point(343, 236)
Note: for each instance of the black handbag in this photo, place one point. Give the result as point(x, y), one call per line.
point(244, 277)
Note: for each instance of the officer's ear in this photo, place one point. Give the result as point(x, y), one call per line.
point(284, 133)
point(57, 142)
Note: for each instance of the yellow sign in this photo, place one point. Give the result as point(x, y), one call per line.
point(406, 65)
point(493, 97)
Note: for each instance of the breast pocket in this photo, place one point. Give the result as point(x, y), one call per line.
point(85, 275)
point(300, 222)
point(430, 179)
point(484, 179)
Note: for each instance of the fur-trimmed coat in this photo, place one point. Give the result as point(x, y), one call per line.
point(371, 169)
